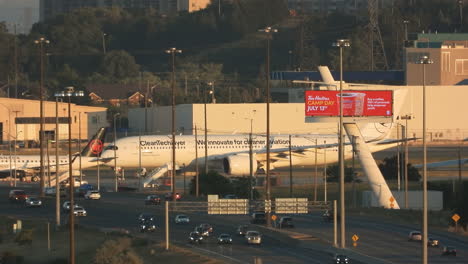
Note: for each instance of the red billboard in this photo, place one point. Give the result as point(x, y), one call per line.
point(355, 103)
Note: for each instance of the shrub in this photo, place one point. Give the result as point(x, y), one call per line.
point(24, 237)
point(117, 252)
point(11, 257)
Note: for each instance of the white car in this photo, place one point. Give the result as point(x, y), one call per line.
point(93, 194)
point(182, 219)
point(253, 237)
point(415, 236)
point(79, 211)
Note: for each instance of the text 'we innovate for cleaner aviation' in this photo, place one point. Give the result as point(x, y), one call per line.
point(227, 142)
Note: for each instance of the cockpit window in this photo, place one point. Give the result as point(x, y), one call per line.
point(111, 147)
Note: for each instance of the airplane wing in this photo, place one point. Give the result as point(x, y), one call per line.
point(445, 163)
point(393, 141)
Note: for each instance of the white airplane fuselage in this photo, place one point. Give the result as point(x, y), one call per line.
point(156, 151)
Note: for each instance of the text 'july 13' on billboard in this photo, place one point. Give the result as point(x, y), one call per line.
point(355, 103)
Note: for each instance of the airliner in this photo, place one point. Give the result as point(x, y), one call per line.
point(233, 150)
point(30, 164)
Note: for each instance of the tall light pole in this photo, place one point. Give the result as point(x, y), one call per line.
point(460, 5)
point(341, 43)
point(104, 43)
point(405, 166)
point(41, 42)
point(173, 52)
point(424, 60)
point(212, 92)
point(70, 92)
point(57, 161)
point(115, 153)
point(405, 23)
point(269, 35)
point(79, 144)
point(14, 149)
point(206, 127)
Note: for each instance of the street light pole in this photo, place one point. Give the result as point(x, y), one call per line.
point(206, 133)
point(269, 34)
point(104, 43)
point(341, 43)
point(172, 52)
point(57, 163)
point(14, 149)
point(41, 41)
point(115, 153)
point(70, 92)
point(79, 144)
point(424, 60)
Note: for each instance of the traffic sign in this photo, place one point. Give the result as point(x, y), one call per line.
point(456, 217)
point(354, 244)
point(392, 199)
point(355, 238)
point(273, 217)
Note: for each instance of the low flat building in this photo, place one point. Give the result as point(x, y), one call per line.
point(20, 119)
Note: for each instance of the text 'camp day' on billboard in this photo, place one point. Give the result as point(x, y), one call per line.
point(355, 103)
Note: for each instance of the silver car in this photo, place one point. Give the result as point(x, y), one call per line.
point(182, 219)
point(253, 237)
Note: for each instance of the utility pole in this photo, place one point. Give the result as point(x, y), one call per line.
point(41, 42)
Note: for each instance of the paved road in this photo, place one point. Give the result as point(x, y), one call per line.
point(121, 210)
point(379, 242)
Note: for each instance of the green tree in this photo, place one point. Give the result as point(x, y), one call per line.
point(212, 183)
point(119, 64)
point(333, 173)
point(389, 169)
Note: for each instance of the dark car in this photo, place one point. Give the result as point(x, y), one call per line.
point(207, 227)
point(201, 231)
point(328, 215)
point(152, 199)
point(33, 202)
point(241, 230)
point(286, 222)
point(195, 237)
point(147, 226)
point(17, 196)
point(447, 251)
point(224, 239)
point(146, 217)
point(170, 197)
point(258, 218)
point(340, 259)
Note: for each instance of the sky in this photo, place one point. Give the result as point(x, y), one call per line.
point(24, 13)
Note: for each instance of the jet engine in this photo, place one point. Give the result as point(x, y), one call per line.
point(238, 165)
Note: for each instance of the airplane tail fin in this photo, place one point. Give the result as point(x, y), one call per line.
point(95, 145)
